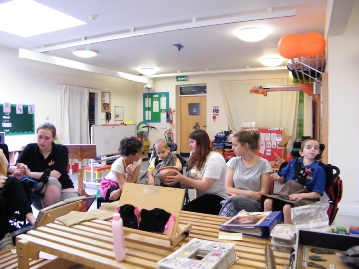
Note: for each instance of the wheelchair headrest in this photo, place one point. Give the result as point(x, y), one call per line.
point(172, 146)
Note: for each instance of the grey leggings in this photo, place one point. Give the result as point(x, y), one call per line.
point(232, 205)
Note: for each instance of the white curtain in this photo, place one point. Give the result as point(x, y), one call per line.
point(72, 114)
point(277, 109)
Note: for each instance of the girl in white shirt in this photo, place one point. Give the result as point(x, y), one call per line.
point(124, 169)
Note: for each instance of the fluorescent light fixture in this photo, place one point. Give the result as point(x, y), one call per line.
point(147, 71)
point(28, 18)
point(271, 60)
point(252, 34)
point(85, 53)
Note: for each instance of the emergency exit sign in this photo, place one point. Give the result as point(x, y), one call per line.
point(181, 78)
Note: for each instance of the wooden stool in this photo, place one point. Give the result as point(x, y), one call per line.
point(97, 170)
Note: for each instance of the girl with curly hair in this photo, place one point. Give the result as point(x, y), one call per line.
point(124, 169)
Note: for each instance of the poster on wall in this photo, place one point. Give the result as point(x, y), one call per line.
point(155, 107)
point(17, 119)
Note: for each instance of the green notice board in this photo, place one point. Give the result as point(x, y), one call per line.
point(17, 119)
point(155, 106)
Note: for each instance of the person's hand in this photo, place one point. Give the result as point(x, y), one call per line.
point(295, 197)
point(114, 195)
point(275, 176)
point(130, 169)
point(151, 181)
point(172, 180)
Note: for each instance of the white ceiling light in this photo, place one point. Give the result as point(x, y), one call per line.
point(147, 71)
point(85, 53)
point(271, 60)
point(252, 34)
point(28, 18)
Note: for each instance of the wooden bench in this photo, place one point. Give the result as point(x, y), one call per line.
point(9, 260)
point(90, 244)
point(98, 170)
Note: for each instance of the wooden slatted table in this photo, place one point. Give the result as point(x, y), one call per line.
point(90, 244)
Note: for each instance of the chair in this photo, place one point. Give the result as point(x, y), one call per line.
point(173, 148)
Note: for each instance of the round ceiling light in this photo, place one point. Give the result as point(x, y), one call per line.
point(85, 53)
point(252, 34)
point(147, 71)
point(272, 60)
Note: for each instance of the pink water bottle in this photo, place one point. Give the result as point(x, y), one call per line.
point(118, 238)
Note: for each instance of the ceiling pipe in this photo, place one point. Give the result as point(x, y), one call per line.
point(163, 29)
point(207, 72)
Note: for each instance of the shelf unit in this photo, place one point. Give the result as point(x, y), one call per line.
point(306, 70)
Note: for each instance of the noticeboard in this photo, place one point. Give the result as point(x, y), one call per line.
point(155, 106)
point(17, 119)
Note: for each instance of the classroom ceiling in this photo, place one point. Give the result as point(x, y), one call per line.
point(159, 24)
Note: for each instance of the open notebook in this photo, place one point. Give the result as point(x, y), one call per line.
point(51, 213)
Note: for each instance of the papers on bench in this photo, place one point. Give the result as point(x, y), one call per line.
point(199, 253)
point(252, 223)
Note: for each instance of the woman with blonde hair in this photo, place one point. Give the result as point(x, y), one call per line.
point(247, 175)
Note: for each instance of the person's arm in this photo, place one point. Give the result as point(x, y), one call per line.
point(278, 178)
point(178, 164)
point(300, 196)
point(151, 168)
point(116, 193)
point(212, 167)
point(201, 185)
point(134, 177)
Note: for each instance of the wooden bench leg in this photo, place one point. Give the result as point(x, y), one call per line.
point(22, 254)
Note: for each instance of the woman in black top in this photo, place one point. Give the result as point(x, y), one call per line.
point(47, 159)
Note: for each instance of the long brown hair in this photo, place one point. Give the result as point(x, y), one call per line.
point(203, 148)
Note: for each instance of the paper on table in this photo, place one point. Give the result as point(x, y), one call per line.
point(230, 236)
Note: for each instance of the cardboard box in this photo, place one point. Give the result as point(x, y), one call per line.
point(284, 141)
point(337, 242)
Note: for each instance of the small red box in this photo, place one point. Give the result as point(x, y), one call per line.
point(75, 168)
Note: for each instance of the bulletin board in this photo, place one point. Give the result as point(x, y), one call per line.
point(19, 121)
point(155, 106)
point(270, 138)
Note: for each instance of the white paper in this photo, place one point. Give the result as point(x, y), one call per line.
point(163, 103)
point(147, 102)
point(148, 115)
point(156, 107)
point(107, 97)
point(163, 120)
point(268, 144)
point(230, 236)
point(19, 109)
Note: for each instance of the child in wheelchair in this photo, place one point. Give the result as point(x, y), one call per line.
point(302, 187)
point(160, 165)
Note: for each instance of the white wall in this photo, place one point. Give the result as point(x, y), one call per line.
point(29, 82)
point(214, 97)
point(343, 87)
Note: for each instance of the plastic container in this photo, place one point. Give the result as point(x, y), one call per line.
point(282, 247)
point(118, 238)
point(284, 234)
